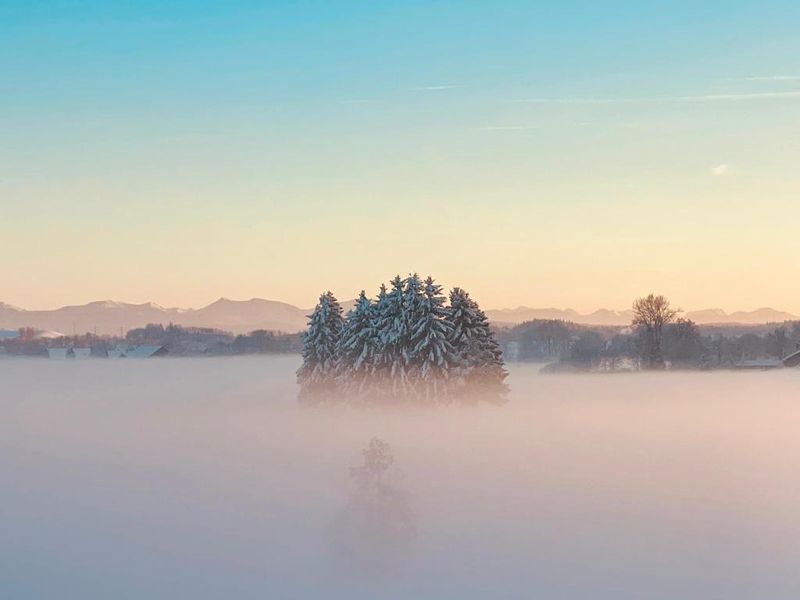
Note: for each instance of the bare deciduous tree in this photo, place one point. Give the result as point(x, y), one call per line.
point(650, 314)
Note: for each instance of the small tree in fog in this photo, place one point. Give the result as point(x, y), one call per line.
point(316, 375)
point(377, 526)
point(650, 314)
point(378, 460)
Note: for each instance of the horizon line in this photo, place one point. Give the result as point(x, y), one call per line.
point(583, 313)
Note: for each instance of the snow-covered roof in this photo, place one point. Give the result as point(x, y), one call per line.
point(761, 363)
point(793, 360)
point(49, 335)
point(143, 351)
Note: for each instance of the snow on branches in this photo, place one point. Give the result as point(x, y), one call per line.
point(406, 345)
point(321, 349)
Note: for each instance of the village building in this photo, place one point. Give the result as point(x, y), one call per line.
point(137, 352)
point(793, 360)
point(69, 353)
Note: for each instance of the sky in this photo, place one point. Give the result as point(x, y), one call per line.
point(566, 154)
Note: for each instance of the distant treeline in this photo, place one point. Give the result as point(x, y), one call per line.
point(178, 340)
point(188, 341)
point(683, 344)
point(569, 346)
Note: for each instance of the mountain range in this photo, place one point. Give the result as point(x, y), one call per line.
point(107, 317)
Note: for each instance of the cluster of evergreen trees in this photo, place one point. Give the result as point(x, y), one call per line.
point(407, 344)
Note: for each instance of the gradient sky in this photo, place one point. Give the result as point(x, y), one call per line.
point(570, 154)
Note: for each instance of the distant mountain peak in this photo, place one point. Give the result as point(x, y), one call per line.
point(105, 304)
point(759, 316)
point(110, 317)
point(241, 316)
point(153, 305)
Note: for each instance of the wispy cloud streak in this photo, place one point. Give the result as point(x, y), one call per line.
point(666, 99)
point(771, 78)
point(438, 88)
point(509, 127)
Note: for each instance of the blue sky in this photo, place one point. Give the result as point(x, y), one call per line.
point(187, 150)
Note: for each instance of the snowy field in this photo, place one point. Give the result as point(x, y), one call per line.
point(202, 478)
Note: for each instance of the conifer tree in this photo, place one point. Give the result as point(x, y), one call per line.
point(393, 335)
point(378, 310)
point(480, 356)
point(407, 343)
point(357, 350)
point(433, 359)
point(316, 375)
point(413, 299)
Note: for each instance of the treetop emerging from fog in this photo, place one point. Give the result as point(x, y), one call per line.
point(406, 344)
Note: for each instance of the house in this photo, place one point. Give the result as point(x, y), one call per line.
point(146, 352)
point(793, 360)
point(60, 353)
point(70, 353)
point(760, 364)
point(137, 352)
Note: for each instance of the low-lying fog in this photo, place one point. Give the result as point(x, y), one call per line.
point(202, 478)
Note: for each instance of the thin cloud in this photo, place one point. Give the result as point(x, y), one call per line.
point(354, 101)
point(772, 78)
point(720, 170)
point(509, 127)
point(437, 88)
point(666, 99)
point(561, 124)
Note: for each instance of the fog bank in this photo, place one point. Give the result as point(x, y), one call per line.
point(204, 478)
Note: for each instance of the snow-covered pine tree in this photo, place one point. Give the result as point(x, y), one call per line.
point(480, 357)
point(378, 309)
point(392, 328)
point(433, 359)
point(413, 300)
point(357, 351)
point(316, 375)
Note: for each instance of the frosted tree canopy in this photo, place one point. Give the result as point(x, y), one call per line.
point(407, 344)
